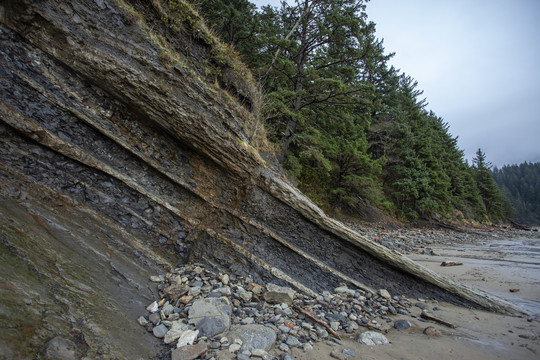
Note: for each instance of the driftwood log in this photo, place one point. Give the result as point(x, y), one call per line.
point(451, 263)
point(427, 316)
point(318, 321)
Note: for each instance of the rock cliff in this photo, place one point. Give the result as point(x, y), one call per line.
point(126, 146)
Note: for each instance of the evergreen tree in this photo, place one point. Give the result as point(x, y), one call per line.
point(492, 196)
point(521, 184)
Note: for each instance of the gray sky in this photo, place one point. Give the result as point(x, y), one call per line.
point(478, 62)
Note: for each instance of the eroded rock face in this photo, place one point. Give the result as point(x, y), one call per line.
point(117, 160)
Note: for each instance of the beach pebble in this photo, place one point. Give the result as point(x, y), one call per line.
point(432, 332)
point(402, 324)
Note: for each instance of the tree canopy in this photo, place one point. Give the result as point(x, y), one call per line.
point(521, 184)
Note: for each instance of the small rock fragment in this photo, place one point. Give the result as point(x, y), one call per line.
point(142, 321)
point(188, 337)
point(153, 307)
point(189, 352)
point(175, 291)
point(385, 294)
point(432, 332)
point(160, 331)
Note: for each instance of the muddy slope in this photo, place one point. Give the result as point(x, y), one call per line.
point(123, 148)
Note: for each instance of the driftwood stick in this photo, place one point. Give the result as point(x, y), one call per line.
point(451, 263)
point(426, 316)
point(320, 322)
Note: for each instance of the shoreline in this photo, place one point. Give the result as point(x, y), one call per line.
point(491, 263)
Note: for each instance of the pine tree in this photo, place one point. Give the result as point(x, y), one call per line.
point(492, 196)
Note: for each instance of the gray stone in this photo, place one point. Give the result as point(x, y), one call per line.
point(402, 324)
point(336, 354)
point(243, 357)
point(279, 294)
point(349, 353)
point(211, 316)
point(293, 341)
point(167, 309)
point(420, 305)
point(274, 297)
point(189, 352)
point(176, 330)
point(246, 296)
point(60, 349)
point(344, 291)
point(160, 331)
point(372, 338)
point(154, 318)
point(253, 336)
point(284, 347)
point(212, 325)
point(284, 329)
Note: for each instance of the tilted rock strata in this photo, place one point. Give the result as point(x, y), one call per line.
point(92, 114)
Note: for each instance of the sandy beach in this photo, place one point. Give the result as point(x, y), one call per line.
point(494, 262)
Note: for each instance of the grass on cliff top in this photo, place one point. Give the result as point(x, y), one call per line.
point(233, 77)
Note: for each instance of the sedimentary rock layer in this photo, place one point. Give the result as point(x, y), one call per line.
point(119, 118)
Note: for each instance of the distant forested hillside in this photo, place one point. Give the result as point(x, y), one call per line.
point(521, 184)
point(353, 131)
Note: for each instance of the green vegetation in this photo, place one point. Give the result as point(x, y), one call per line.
point(521, 184)
point(350, 129)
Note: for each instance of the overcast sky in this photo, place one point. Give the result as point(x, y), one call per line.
point(478, 62)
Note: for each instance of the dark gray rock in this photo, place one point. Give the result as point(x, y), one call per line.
point(211, 316)
point(212, 325)
point(402, 324)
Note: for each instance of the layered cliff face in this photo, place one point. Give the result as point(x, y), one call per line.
point(127, 146)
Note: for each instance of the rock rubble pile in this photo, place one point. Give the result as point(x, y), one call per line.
point(208, 315)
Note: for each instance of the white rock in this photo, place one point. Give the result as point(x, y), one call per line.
point(153, 307)
point(225, 279)
point(176, 330)
point(188, 337)
point(372, 338)
point(234, 347)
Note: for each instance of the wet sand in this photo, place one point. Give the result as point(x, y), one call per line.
point(495, 266)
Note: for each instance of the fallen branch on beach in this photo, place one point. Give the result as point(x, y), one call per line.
point(426, 316)
point(451, 263)
point(320, 322)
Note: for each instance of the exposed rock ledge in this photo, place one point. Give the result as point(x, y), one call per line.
point(116, 159)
